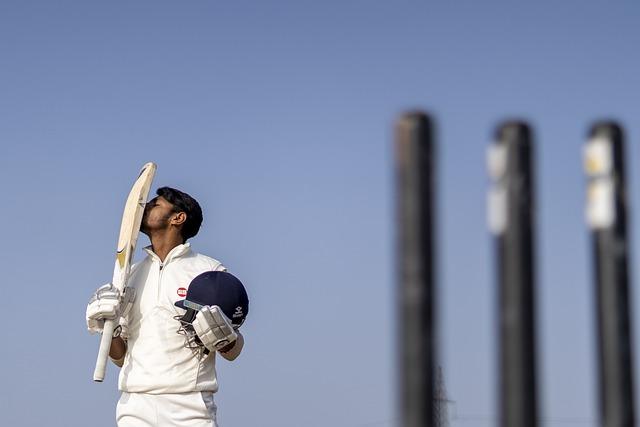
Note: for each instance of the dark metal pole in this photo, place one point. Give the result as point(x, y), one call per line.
point(511, 219)
point(415, 216)
point(607, 219)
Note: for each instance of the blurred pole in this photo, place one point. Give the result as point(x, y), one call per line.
point(607, 218)
point(415, 216)
point(511, 220)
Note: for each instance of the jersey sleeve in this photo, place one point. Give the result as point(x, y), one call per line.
point(217, 265)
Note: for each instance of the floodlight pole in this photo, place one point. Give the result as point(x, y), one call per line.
point(511, 219)
point(415, 268)
point(607, 219)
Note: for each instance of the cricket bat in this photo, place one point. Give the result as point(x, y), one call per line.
point(129, 230)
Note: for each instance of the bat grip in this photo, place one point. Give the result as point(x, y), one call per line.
point(103, 353)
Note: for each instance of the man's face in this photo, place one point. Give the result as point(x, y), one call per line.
point(157, 215)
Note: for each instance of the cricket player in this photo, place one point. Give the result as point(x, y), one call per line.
point(163, 381)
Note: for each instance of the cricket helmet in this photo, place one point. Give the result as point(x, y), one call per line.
point(216, 288)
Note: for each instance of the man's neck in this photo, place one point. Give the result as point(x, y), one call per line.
point(163, 243)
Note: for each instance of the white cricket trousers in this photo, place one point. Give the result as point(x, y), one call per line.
point(166, 410)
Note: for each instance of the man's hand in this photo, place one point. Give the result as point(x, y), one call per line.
point(107, 304)
point(213, 328)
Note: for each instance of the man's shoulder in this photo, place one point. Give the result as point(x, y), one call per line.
point(209, 263)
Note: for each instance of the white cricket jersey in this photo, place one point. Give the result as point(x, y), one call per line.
point(156, 360)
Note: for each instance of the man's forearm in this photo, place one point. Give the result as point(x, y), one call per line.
point(233, 350)
point(118, 348)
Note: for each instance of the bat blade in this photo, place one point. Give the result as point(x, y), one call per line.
point(127, 239)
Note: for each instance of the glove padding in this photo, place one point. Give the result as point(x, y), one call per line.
point(214, 328)
point(107, 304)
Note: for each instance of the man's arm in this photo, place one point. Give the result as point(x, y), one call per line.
point(232, 351)
point(106, 304)
point(118, 350)
point(217, 333)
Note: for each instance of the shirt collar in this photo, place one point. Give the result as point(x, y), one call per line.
point(177, 252)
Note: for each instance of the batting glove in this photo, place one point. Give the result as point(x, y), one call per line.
point(214, 328)
point(107, 304)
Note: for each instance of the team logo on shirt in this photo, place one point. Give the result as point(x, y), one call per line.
point(182, 292)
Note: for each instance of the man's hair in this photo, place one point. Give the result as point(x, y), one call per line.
point(182, 202)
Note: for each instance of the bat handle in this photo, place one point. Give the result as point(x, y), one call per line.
point(103, 353)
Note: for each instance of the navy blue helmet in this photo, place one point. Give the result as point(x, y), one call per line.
point(216, 288)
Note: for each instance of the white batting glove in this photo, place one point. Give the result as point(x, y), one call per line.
point(214, 328)
point(107, 304)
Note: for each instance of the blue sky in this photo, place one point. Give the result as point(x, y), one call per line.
point(278, 117)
